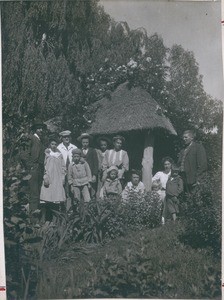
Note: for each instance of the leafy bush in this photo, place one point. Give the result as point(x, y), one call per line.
point(202, 217)
point(22, 238)
point(143, 211)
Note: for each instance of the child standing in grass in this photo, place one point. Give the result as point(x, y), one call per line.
point(174, 188)
point(112, 185)
point(134, 188)
point(79, 178)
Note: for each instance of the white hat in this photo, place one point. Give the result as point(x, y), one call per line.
point(84, 136)
point(112, 168)
point(65, 133)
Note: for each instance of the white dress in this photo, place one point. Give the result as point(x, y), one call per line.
point(163, 177)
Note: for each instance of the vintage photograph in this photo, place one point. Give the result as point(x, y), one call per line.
point(112, 115)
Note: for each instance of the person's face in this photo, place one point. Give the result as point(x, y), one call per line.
point(135, 179)
point(187, 138)
point(85, 143)
point(113, 174)
point(66, 140)
point(167, 165)
point(118, 144)
point(174, 173)
point(53, 146)
point(39, 131)
point(103, 146)
point(76, 158)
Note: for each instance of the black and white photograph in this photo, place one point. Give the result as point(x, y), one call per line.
point(112, 120)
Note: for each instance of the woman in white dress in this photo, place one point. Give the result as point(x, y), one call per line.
point(163, 176)
point(52, 190)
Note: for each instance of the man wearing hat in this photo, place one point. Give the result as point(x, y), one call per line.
point(66, 148)
point(90, 156)
point(116, 157)
point(35, 163)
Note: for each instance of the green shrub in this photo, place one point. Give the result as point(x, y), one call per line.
point(202, 217)
point(142, 212)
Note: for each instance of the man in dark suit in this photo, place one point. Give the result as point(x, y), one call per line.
point(35, 163)
point(90, 156)
point(192, 161)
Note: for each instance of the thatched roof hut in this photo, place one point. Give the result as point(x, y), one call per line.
point(133, 111)
point(128, 110)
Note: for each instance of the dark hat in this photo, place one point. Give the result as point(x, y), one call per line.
point(84, 136)
point(103, 138)
point(38, 124)
point(118, 137)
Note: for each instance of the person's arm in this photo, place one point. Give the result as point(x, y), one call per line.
point(201, 161)
point(125, 161)
point(95, 165)
point(142, 188)
point(180, 186)
point(34, 151)
point(105, 161)
point(105, 166)
point(125, 193)
point(46, 177)
point(70, 175)
point(156, 176)
point(119, 187)
point(88, 171)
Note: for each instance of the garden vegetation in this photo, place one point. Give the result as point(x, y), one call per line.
point(60, 57)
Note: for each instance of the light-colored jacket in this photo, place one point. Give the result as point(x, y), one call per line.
point(111, 187)
point(66, 152)
point(79, 174)
point(130, 188)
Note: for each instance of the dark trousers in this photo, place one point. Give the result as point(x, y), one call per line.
point(188, 188)
point(35, 186)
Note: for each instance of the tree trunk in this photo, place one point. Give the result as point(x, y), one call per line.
point(147, 161)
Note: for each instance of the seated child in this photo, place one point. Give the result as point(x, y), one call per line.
point(174, 187)
point(79, 178)
point(112, 185)
point(134, 187)
point(156, 186)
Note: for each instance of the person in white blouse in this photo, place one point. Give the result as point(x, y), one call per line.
point(163, 176)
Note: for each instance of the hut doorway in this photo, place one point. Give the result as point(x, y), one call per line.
point(164, 145)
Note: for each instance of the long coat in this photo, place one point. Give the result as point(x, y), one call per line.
point(32, 157)
point(92, 159)
point(54, 177)
point(195, 162)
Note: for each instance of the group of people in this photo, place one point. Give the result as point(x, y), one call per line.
point(64, 175)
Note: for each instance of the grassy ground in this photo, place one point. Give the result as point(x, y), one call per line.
point(183, 272)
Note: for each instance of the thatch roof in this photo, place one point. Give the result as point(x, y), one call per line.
point(127, 110)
